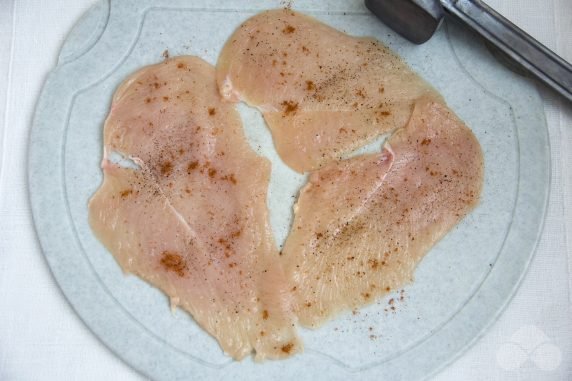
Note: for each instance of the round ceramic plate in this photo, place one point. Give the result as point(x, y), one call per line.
point(461, 286)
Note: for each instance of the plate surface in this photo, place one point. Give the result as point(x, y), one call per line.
point(461, 286)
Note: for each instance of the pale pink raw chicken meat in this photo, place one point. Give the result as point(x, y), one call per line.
point(192, 220)
point(362, 225)
point(322, 92)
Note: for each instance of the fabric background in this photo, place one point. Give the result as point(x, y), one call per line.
point(41, 338)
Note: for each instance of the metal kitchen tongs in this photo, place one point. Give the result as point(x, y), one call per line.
point(417, 20)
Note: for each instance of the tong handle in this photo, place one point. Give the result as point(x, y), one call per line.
point(517, 44)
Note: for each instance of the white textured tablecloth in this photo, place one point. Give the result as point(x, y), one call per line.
point(41, 338)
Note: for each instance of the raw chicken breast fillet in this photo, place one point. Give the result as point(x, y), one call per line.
point(192, 220)
point(322, 92)
point(362, 225)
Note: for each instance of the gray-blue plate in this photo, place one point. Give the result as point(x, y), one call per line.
point(461, 286)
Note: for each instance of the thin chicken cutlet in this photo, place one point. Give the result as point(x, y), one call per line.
point(192, 219)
